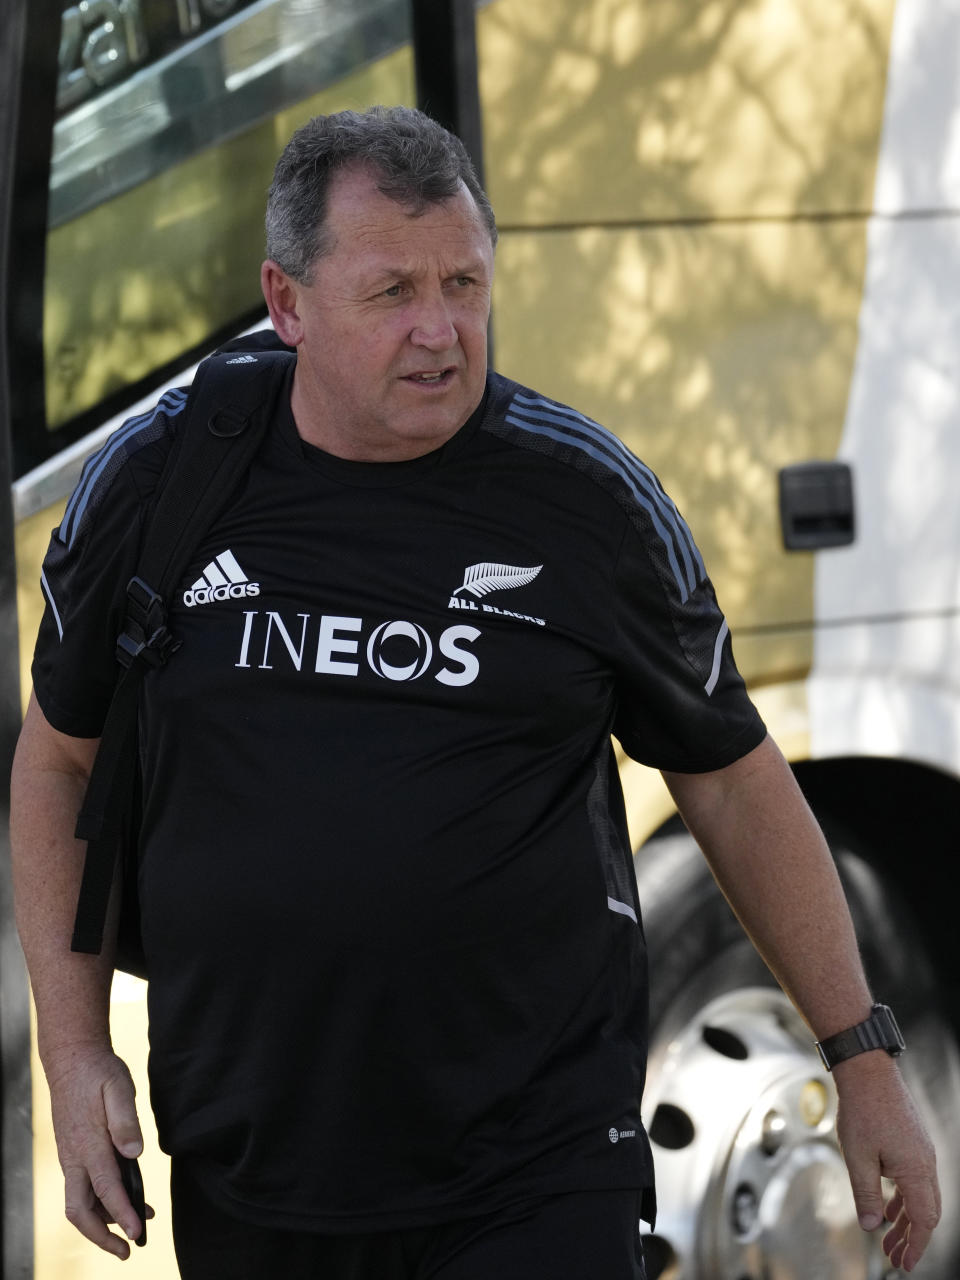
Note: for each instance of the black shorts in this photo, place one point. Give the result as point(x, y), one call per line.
point(577, 1236)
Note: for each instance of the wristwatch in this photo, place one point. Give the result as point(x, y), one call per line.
point(879, 1031)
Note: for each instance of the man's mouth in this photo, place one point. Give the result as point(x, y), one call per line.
point(430, 378)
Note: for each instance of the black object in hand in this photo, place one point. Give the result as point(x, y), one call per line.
point(133, 1185)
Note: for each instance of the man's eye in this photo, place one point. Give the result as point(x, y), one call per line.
point(394, 291)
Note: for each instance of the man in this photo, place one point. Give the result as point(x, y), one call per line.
point(397, 976)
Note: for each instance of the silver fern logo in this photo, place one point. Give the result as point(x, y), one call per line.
point(481, 579)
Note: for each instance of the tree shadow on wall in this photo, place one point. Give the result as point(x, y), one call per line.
point(682, 191)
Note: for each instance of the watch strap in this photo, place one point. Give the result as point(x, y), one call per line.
point(879, 1031)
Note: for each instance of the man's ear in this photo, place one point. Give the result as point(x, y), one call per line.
point(282, 295)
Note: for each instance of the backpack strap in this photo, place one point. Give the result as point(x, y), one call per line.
point(225, 419)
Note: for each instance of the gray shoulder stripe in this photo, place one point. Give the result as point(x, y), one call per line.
point(594, 441)
point(45, 587)
point(609, 442)
point(717, 656)
point(102, 466)
point(622, 909)
point(551, 411)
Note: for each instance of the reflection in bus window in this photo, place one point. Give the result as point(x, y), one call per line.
point(103, 41)
point(169, 115)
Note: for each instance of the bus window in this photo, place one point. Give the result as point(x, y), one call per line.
point(169, 117)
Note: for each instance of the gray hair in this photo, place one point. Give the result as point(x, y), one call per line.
point(415, 161)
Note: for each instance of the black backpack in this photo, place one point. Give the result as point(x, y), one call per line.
point(228, 409)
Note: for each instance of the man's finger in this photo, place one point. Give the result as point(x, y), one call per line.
point(915, 1223)
point(894, 1206)
point(867, 1195)
point(895, 1240)
point(85, 1212)
point(108, 1189)
point(120, 1109)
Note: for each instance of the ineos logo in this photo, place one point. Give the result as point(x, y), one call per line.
point(390, 630)
point(331, 645)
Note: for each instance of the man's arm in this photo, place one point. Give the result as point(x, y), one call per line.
point(91, 1091)
point(775, 869)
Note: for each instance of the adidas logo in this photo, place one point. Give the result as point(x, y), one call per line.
point(243, 360)
point(222, 579)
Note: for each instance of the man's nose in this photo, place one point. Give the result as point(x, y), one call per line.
point(433, 325)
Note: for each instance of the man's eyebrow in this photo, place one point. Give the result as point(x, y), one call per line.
point(378, 274)
point(476, 268)
point(373, 274)
point(375, 277)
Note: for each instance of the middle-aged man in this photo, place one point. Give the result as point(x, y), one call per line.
point(398, 980)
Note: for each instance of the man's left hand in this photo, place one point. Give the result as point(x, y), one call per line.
point(882, 1135)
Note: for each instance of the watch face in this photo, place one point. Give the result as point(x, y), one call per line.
point(891, 1034)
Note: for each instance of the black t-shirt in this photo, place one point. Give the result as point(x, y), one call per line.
point(397, 969)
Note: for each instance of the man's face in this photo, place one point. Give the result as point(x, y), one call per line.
point(392, 330)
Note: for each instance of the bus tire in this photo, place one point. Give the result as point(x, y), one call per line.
point(740, 1112)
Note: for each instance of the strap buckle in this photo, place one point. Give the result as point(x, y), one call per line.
point(145, 634)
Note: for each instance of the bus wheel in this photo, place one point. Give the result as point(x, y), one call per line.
point(740, 1112)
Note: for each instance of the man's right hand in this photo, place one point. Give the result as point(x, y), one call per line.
point(95, 1116)
point(91, 1091)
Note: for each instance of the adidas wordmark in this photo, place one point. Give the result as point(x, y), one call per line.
point(222, 579)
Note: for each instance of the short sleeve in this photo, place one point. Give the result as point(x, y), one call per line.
point(682, 704)
point(91, 557)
